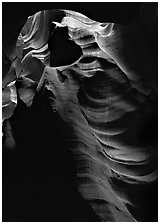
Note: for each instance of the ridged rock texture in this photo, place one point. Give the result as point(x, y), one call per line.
point(80, 120)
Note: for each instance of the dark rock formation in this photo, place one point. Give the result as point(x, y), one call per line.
point(63, 51)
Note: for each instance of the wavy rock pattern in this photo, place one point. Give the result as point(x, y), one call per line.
point(102, 98)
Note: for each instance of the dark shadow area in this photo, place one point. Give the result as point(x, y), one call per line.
point(63, 51)
point(39, 176)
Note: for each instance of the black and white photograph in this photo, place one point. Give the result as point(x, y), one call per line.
point(79, 111)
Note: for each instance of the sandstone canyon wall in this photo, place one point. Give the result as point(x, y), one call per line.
point(80, 112)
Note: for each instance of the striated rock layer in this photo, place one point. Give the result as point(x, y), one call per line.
point(77, 136)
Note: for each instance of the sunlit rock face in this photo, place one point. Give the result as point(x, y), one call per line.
point(80, 125)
